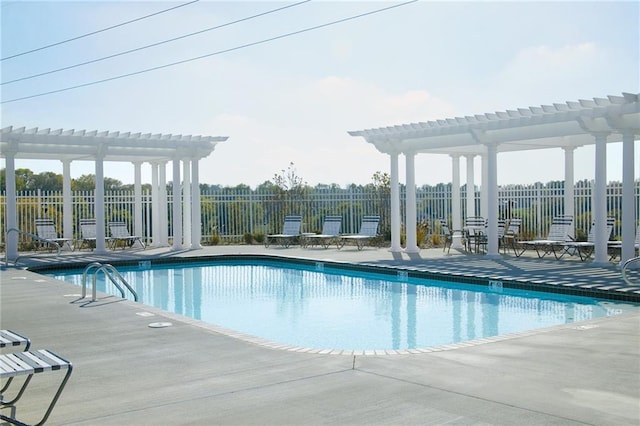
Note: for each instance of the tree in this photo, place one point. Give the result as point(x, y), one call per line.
point(381, 190)
point(288, 180)
point(48, 181)
point(84, 183)
point(289, 192)
point(88, 183)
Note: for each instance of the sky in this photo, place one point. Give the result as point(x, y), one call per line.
point(294, 98)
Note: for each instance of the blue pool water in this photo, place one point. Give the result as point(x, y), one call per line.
point(327, 308)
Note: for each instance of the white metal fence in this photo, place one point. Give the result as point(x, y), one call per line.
point(230, 214)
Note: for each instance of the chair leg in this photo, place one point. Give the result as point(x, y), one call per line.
point(14, 421)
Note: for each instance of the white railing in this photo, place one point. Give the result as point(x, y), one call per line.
point(233, 212)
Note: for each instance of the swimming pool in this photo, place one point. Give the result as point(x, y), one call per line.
point(323, 306)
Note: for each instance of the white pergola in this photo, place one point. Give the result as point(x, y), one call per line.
point(137, 148)
point(567, 126)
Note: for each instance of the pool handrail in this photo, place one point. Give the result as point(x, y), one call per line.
point(109, 271)
point(625, 266)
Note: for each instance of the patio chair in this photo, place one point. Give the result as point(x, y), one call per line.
point(481, 238)
point(120, 234)
point(30, 363)
point(87, 234)
point(46, 229)
point(510, 237)
point(475, 232)
point(447, 235)
point(585, 249)
point(559, 234)
point(615, 247)
point(290, 232)
point(330, 233)
point(368, 231)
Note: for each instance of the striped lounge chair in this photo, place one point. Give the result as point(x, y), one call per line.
point(330, 233)
point(46, 230)
point(368, 231)
point(560, 233)
point(26, 363)
point(120, 234)
point(290, 232)
point(584, 249)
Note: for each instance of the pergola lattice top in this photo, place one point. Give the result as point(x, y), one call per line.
point(47, 144)
point(571, 124)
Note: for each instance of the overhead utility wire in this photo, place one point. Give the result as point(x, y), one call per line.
point(98, 31)
point(151, 45)
point(211, 54)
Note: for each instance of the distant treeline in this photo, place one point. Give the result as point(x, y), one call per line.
point(26, 180)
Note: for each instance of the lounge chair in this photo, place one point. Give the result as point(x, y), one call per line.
point(87, 234)
point(615, 247)
point(9, 341)
point(559, 234)
point(330, 233)
point(584, 249)
point(290, 232)
point(447, 235)
point(120, 234)
point(368, 231)
point(30, 363)
point(46, 229)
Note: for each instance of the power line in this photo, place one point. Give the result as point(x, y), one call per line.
point(212, 54)
point(151, 45)
point(98, 31)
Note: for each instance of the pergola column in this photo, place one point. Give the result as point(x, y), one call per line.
point(186, 202)
point(484, 188)
point(164, 205)
point(67, 202)
point(99, 204)
point(471, 188)
point(628, 197)
point(155, 206)
point(492, 196)
point(411, 210)
point(395, 204)
point(456, 214)
point(569, 190)
point(600, 200)
point(177, 211)
point(11, 208)
point(137, 199)
point(196, 217)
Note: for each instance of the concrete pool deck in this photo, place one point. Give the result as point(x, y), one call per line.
point(128, 373)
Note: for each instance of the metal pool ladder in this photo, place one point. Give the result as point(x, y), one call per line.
point(110, 272)
point(626, 266)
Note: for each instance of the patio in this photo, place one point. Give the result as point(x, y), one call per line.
point(193, 373)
